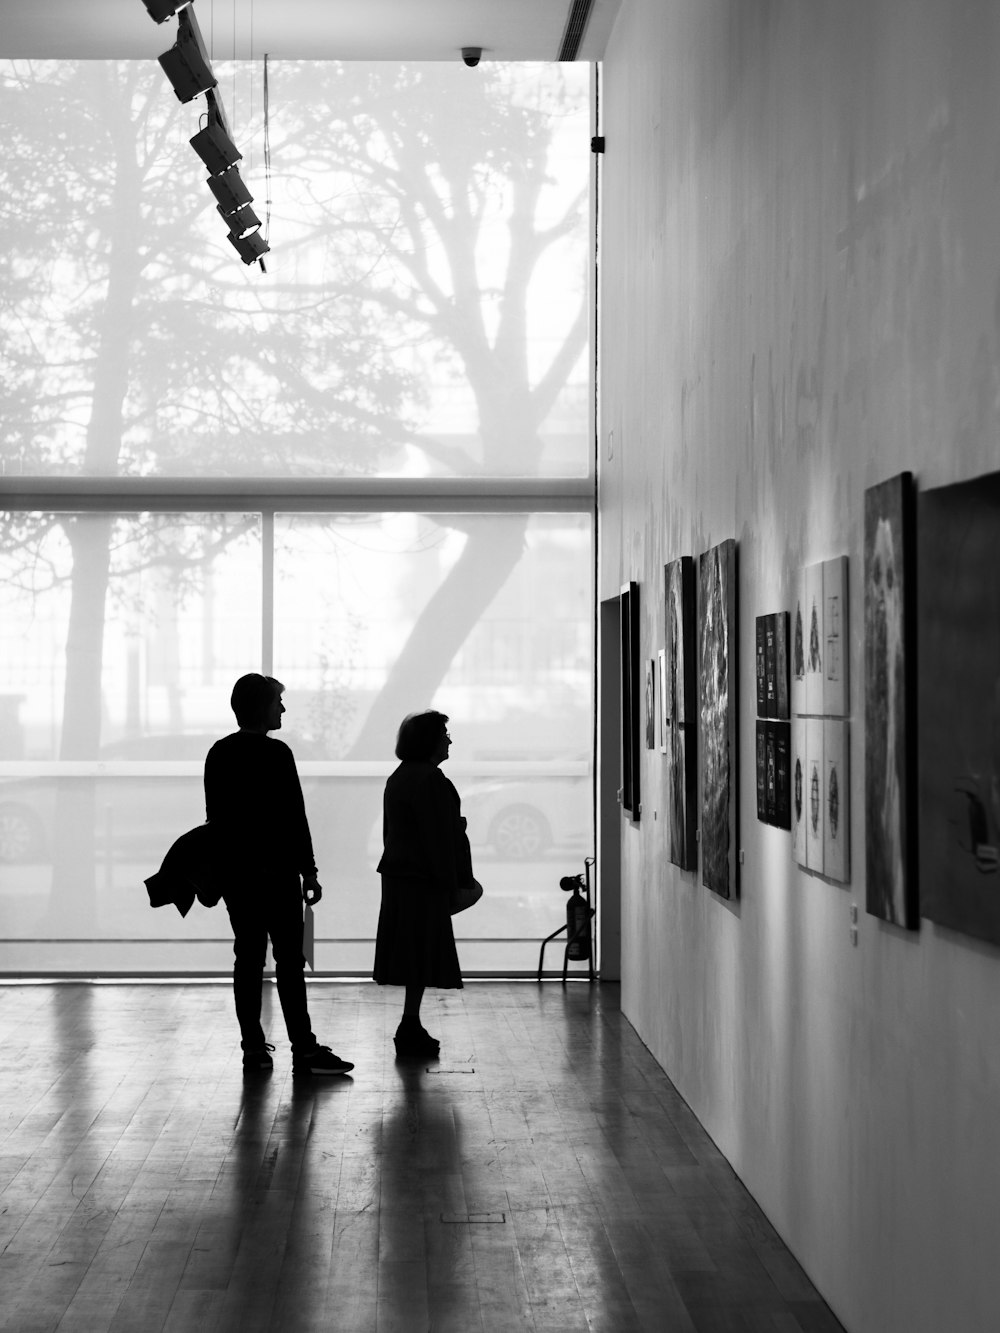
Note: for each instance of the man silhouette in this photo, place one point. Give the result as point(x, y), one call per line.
point(254, 806)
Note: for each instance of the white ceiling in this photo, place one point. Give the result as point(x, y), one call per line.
point(304, 29)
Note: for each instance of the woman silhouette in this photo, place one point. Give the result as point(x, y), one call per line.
point(425, 864)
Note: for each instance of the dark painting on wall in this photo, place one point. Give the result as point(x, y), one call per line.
point(774, 772)
point(890, 732)
point(682, 767)
point(781, 691)
point(958, 617)
point(680, 692)
point(631, 698)
point(682, 687)
point(717, 663)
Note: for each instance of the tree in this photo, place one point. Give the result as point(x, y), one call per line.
point(138, 344)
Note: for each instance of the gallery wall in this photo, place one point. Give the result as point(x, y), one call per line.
point(801, 299)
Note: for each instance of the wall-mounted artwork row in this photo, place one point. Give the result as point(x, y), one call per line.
point(631, 698)
point(820, 680)
point(958, 618)
point(890, 715)
point(821, 792)
point(679, 693)
point(717, 672)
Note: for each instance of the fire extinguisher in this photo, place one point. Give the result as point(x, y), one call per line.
point(577, 920)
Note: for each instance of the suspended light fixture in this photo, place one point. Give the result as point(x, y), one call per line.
point(163, 9)
point(186, 64)
point(251, 247)
point(213, 143)
point(229, 190)
point(243, 220)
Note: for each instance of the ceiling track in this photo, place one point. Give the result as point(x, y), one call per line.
point(576, 26)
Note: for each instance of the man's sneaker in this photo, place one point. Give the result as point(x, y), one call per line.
point(320, 1060)
point(258, 1058)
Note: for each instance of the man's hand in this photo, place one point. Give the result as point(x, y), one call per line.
point(311, 890)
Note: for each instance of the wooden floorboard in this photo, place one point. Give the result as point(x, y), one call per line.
point(543, 1175)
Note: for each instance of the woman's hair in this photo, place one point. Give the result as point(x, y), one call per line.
point(420, 734)
point(252, 696)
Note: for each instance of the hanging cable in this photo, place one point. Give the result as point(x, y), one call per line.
point(267, 156)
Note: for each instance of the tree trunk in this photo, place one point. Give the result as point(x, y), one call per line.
point(491, 553)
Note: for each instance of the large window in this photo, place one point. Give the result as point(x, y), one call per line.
point(367, 471)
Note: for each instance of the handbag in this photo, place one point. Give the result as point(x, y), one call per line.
point(466, 896)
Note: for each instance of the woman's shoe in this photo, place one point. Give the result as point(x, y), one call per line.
point(412, 1040)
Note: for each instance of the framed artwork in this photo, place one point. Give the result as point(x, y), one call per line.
point(761, 756)
point(631, 700)
point(681, 694)
point(779, 670)
point(718, 695)
point(958, 633)
point(836, 801)
point(774, 772)
point(814, 794)
point(651, 703)
point(815, 644)
point(798, 810)
point(800, 628)
point(835, 658)
point(661, 680)
point(890, 715)
point(682, 686)
point(682, 776)
point(760, 655)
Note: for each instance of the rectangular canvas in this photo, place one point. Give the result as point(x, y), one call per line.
point(781, 708)
point(761, 750)
point(890, 731)
point(836, 802)
point(798, 810)
point(682, 777)
point(958, 618)
point(717, 665)
point(814, 794)
point(760, 641)
point(814, 641)
point(630, 698)
point(780, 737)
point(835, 658)
point(800, 633)
point(770, 772)
point(651, 703)
point(661, 681)
point(679, 597)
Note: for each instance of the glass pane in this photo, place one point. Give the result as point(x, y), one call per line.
point(127, 633)
point(425, 308)
point(486, 618)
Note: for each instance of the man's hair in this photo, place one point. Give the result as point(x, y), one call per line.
point(420, 734)
point(252, 696)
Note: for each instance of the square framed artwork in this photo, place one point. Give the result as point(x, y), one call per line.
point(718, 697)
point(890, 714)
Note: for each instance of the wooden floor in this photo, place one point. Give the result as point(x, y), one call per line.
point(544, 1176)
